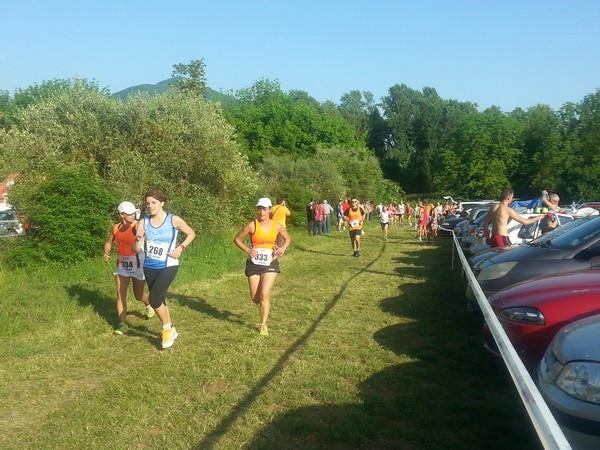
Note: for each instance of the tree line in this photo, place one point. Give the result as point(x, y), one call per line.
point(74, 146)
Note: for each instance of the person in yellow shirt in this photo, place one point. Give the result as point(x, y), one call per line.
point(280, 212)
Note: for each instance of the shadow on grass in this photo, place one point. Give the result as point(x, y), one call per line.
point(102, 305)
point(301, 248)
point(446, 394)
point(212, 439)
point(105, 308)
point(200, 305)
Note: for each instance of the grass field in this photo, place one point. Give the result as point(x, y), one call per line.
point(376, 352)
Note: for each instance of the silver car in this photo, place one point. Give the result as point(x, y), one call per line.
point(10, 224)
point(569, 381)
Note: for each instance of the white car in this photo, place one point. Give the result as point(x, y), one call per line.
point(517, 232)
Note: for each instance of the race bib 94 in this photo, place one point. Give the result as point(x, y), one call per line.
point(128, 263)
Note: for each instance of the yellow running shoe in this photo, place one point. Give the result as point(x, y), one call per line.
point(263, 330)
point(168, 336)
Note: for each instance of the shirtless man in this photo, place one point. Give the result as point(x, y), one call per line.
point(499, 215)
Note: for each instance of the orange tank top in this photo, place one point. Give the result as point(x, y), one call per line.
point(355, 218)
point(262, 238)
point(124, 239)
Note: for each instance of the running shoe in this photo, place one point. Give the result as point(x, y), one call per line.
point(149, 313)
point(263, 331)
point(358, 253)
point(122, 329)
point(168, 336)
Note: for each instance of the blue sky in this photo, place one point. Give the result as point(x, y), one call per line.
point(508, 53)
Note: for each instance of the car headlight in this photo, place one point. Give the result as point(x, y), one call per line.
point(491, 272)
point(581, 380)
point(523, 315)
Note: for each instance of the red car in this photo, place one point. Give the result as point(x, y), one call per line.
point(533, 311)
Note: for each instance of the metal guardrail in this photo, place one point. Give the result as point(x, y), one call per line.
point(544, 422)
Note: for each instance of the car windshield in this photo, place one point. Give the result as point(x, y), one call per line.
point(479, 220)
point(541, 240)
point(574, 236)
point(7, 215)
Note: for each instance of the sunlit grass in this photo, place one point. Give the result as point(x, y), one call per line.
point(370, 352)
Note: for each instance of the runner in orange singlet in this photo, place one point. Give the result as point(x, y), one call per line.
point(355, 216)
point(262, 265)
point(129, 264)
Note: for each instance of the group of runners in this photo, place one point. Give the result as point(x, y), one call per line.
point(148, 251)
point(148, 254)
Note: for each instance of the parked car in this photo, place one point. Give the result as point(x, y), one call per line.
point(569, 381)
point(475, 213)
point(588, 208)
point(476, 259)
point(517, 232)
point(533, 311)
point(10, 225)
point(467, 236)
point(575, 249)
point(449, 224)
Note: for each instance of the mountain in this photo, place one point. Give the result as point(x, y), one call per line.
point(163, 86)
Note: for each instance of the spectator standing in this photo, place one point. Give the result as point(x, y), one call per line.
point(341, 225)
point(318, 218)
point(309, 216)
point(409, 214)
point(424, 219)
point(328, 209)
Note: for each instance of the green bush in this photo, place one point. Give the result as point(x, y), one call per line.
point(69, 210)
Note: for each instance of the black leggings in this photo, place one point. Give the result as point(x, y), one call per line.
point(158, 281)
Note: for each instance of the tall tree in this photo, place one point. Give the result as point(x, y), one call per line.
point(356, 107)
point(272, 122)
point(482, 156)
point(191, 78)
point(541, 145)
point(421, 123)
point(582, 143)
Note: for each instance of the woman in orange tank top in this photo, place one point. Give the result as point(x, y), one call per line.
point(129, 264)
point(262, 265)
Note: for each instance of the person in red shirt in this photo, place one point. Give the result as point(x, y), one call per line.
point(318, 219)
